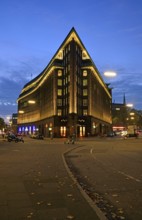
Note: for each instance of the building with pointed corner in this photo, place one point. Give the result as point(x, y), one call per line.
point(68, 97)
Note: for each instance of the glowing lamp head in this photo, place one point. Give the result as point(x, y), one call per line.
point(129, 105)
point(110, 74)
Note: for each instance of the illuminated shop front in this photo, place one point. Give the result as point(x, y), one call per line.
point(27, 129)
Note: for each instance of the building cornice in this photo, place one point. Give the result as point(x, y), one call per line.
point(35, 85)
point(98, 78)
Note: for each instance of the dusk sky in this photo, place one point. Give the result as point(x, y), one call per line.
point(31, 31)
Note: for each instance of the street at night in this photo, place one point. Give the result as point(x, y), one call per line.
point(36, 183)
point(112, 175)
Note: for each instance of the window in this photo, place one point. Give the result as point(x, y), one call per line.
point(84, 55)
point(68, 78)
point(85, 92)
point(59, 92)
point(85, 112)
point(84, 82)
point(85, 102)
point(59, 112)
point(82, 131)
point(59, 82)
point(59, 72)
point(63, 131)
point(69, 47)
point(59, 102)
point(84, 72)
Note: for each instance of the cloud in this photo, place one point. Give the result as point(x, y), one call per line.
point(14, 74)
point(129, 85)
point(9, 92)
point(128, 82)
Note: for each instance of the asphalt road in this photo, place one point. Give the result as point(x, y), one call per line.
point(35, 182)
point(110, 170)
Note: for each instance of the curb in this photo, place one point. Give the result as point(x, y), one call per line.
point(99, 213)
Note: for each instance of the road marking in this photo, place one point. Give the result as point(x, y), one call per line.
point(118, 171)
point(130, 177)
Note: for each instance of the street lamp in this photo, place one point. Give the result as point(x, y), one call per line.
point(129, 105)
point(110, 74)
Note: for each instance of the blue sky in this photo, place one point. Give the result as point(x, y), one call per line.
point(31, 31)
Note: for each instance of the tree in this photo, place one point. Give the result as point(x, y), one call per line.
point(2, 123)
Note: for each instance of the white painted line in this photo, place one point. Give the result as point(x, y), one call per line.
point(118, 171)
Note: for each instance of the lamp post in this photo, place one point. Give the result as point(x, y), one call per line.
point(110, 74)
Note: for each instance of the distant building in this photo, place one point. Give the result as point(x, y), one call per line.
point(68, 97)
point(119, 115)
point(14, 119)
point(14, 122)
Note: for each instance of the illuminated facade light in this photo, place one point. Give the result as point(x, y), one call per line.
point(31, 102)
point(21, 111)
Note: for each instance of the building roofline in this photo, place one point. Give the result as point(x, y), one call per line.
point(33, 84)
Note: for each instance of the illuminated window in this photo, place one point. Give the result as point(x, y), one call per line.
point(60, 55)
point(59, 82)
point(85, 92)
point(59, 92)
point(63, 131)
point(82, 131)
point(85, 112)
point(84, 55)
point(132, 113)
point(59, 72)
point(84, 72)
point(85, 82)
point(59, 112)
